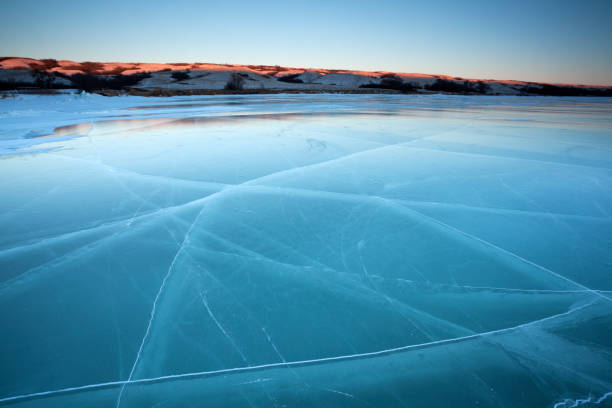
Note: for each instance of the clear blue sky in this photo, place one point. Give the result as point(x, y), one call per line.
point(553, 41)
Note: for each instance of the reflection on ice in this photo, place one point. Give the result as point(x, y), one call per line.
point(306, 250)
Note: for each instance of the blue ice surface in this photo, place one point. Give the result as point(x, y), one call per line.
point(305, 251)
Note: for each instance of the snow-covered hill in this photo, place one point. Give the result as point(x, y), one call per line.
point(168, 79)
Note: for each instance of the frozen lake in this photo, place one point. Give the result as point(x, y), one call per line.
point(305, 251)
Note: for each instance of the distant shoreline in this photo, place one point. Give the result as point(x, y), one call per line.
point(146, 79)
point(166, 93)
point(160, 92)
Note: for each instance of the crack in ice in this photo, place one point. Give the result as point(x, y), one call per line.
point(290, 364)
point(578, 402)
point(505, 251)
point(157, 296)
point(220, 327)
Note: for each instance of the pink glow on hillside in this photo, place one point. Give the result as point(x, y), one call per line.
point(126, 68)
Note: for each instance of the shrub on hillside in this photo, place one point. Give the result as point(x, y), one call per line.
point(444, 85)
point(88, 82)
point(44, 64)
point(235, 83)
point(10, 85)
point(392, 82)
point(40, 79)
point(554, 90)
point(293, 79)
point(92, 67)
point(483, 87)
point(43, 79)
point(180, 75)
